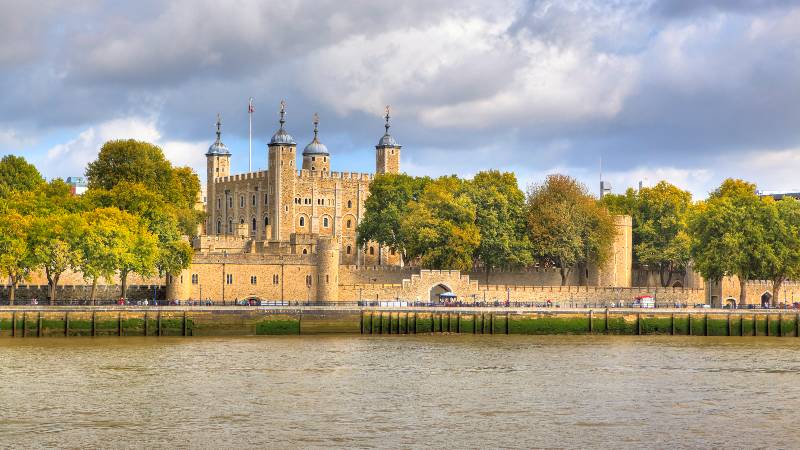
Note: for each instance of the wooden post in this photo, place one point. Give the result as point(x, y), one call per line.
point(638, 324)
point(780, 325)
point(39, 325)
point(159, 323)
point(416, 316)
point(145, 323)
point(607, 321)
point(729, 324)
point(797, 325)
point(184, 323)
point(491, 323)
point(94, 323)
point(768, 323)
point(672, 325)
point(14, 324)
point(690, 324)
point(741, 325)
point(361, 322)
point(66, 324)
point(119, 324)
point(705, 325)
point(591, 325)
point(508, 324)
point(24, 323)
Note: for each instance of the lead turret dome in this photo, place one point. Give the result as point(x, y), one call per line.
point(218, 148)
point(315, 147)
point(282, 137)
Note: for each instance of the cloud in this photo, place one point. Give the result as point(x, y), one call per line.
point(679, 87)
point(70, 158)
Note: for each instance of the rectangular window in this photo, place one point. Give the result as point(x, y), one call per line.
point(194, 278)
point(275, 279)
point(253, 279)
point(229, 278)
point(265, 199)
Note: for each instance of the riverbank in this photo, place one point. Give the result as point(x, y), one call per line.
point(76, 321)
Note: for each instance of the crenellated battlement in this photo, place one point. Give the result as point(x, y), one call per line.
point(309, 174)
point(260, 175)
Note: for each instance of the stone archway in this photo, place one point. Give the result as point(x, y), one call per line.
point(677, 284)
point(437, 290)
point(730, 302)
point(766, 299)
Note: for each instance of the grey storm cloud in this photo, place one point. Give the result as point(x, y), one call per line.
point(676, 83)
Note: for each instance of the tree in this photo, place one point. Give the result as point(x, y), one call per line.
point(16, 260)
point(131, 162)
point(53, 247)
point(567, 227)
point(16, 174)
point(783, 238)
point(174, 253)
point(390, 199)
point(439, 228)
point(660, 215)
point(138, 253)
point(101, 243)
point(728, 234)
point(500, 218)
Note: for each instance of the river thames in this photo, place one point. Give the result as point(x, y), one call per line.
point(410, 391)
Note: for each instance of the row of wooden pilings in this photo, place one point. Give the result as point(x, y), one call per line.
point(120, 328)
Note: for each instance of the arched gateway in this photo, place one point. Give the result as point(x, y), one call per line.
point(438, 290)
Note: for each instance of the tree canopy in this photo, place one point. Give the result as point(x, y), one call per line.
point(660, 237)
point(16, 174)
point(567, 227)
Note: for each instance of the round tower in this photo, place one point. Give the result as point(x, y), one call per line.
point(315, 156)
point(327, 269)
point(218, 164)
point(387, 152)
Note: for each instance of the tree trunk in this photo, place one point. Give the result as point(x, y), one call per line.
point(564, 272)
point(123, 279)
point(53, 287)
point(94, 288)
point(776, 291)
point(582, 279)
point(12, 292)
point(488, 271)
point(742, 291)
point(666, 279)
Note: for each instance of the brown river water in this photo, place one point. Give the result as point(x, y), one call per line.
point(401, 392)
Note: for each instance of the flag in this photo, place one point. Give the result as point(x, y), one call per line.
point(250, 108)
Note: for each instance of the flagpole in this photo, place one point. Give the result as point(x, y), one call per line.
point(250, 120)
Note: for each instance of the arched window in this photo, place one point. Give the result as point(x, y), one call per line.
point(241, 201)
point(305, 251)
point(219, 226)
point(372, 250)
point(266, 220)
point(302, 221)
point(349, 223)
point(254, 199)
point(218, 200)
point(349, 249)
point(230, 226)
point(254, 226)
point(312, 168)
point(325, 222)
point(349, 203)
point(241, 221)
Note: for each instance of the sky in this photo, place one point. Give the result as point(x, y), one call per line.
point(686, 91)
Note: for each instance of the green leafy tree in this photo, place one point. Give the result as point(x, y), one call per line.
point(728, 234)
point(16, 174)
point(782, 232)
point(131, 162)
point(390, 198)
point(16, 260)
point(138, 254)
point(174, 253)
point(660, 238)
point(440, 228)
point(500, 218)
point(53, 247)
point(567, 227)
point(101, 242)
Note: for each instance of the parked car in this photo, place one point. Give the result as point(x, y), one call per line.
point(702, 305)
